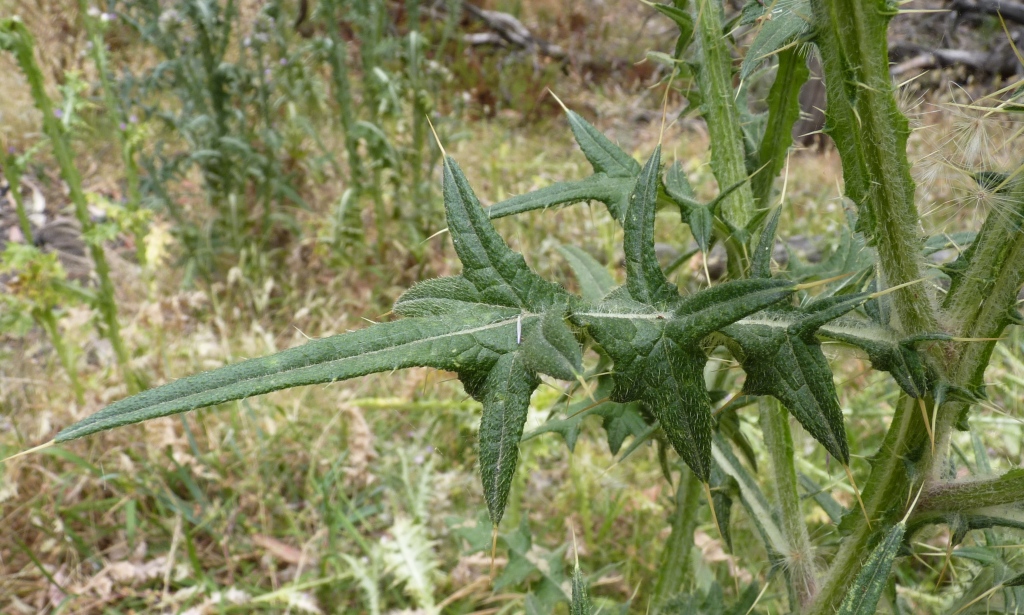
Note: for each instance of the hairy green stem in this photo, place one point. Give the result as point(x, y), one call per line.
point(885, 495)
point(960, 495)
point(674, 568)
point(801, 571)
point(985, 289)
point(714, 78)
point(871, 136)
point(980, 300)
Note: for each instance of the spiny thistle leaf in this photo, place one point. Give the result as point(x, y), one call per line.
point(645, 280)
point(549, 347)
point(619, 421)
point(659, 360)
point(862, 597)
point(580, 603)
point(886, 351)
point(615, 173)
point(498, 273)
point(506, 400)
point(612, 191)
point(782, 358)
point(782, 22)
point(604, 156)
point(481, 325)
point(697, 215)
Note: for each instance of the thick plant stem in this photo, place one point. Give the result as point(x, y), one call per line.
point(970, 494)
point(714, 78)
point(871, 136)
point(674, 567)
point(980, 302)
point(885, 496)
point(801, 571)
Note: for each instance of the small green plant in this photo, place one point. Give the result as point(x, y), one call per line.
point(40, 292)
point(640, 351)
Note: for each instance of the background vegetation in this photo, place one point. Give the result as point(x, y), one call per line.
point(253, 174)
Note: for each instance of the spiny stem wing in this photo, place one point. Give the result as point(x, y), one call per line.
point(442, 343)
point(506, 401)
point(645, 280)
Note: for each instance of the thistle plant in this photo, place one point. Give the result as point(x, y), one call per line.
point(641, 350)
point(15, 38)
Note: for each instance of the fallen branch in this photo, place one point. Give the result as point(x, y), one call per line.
point(507, 29)
point(1010, 10)
point(908, 58)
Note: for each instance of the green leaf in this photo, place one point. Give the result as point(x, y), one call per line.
point(862, 597)
point(678, 186)
point(490, 325)
point(783, 112)
point(886, 351)
point(498, 273)
point(612, 191)
point(604, 156)
point(645, 280)
point(782, 22)
point(761, 261)
point(701, 222)
point(723, 489)
point(782, 358)
point(753, 500)
point(580, 603)
point(525, 560)
point(444, 344)
point(506, 401)
point(614, 175)
point(659, 361)
point(619, 421)
point(593, 277)
point(549, 347)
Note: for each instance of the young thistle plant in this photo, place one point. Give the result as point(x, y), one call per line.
point(501, 327)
